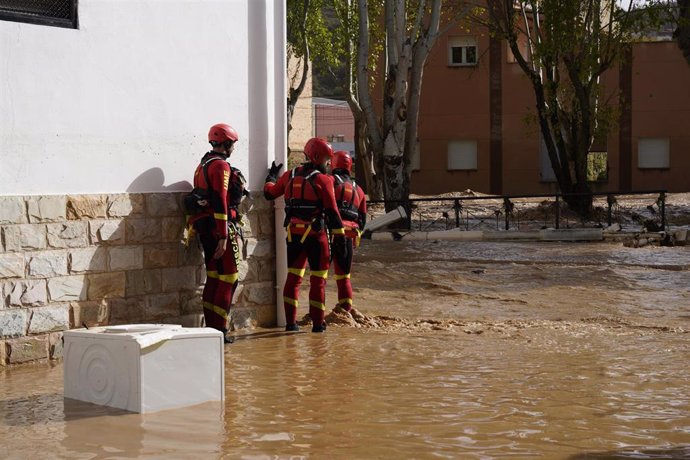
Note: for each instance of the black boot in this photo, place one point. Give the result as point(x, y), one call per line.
point(320, 328)
point(227, 338)
point(292, 328)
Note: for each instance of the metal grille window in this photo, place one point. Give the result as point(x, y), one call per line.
point(58, 13)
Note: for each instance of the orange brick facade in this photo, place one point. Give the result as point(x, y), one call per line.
point(490, 103)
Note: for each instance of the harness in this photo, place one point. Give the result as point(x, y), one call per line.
point(236, 191)
point(299, 207)
point(346, 206)
point(348, 194)
point(198, 199)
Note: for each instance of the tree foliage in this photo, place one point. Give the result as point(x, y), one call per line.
point(564, 47)
point(307, 35)
point(682, 32)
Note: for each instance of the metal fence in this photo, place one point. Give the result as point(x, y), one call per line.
point(529, 212)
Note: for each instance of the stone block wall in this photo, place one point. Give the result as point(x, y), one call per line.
point(70, 260)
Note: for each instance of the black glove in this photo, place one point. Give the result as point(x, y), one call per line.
point(273, 172)
point(340, 248)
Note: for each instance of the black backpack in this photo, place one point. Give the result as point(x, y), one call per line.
point(198, 199)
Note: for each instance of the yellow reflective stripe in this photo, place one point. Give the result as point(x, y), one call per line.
point(342, 277)
point(345, 300)
point(338, 231)
point(306, 232)
point(315, 304)
point(225, 278)
point(216, 309)
point(226, 179)
point(219, 216)
point(297, 271)
point(290, 301)
point(320, 273)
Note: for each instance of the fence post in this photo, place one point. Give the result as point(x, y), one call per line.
point(662, 206)
point(508, 210)
point(408, 209)
point(456, 208)
point(609, 213)
point(558, 212)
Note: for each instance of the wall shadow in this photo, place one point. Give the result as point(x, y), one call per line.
point(153, 180)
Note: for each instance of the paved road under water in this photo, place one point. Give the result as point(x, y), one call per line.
point(464, 350)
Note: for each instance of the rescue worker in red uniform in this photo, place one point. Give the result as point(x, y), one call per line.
point(217, 225)
point(352, 206)
point(310, 210)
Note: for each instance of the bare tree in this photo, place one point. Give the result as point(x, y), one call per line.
point(347, 51)
point(306, 34)
point(410, 35)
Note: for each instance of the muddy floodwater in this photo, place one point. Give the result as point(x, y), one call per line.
point(461, 350)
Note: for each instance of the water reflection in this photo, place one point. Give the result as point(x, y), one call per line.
point(50, 426)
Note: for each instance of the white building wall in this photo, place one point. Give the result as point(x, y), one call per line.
point(124, 103)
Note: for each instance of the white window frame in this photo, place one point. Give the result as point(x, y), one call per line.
point(462, 155)
point(464, 42)
point(654, 153)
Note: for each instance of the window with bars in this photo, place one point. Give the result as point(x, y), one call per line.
point(58, 13)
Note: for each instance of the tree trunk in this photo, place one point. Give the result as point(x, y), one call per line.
point(364, 163)
point(396, 182)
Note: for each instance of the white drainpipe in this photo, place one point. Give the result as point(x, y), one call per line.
point(280, 152)
point(281, 257)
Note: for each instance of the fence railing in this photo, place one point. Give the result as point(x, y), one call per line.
point(646, 208)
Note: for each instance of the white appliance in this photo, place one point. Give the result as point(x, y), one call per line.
point(144, 367)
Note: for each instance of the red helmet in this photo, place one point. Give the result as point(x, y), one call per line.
point(221, 132)
point(317, 150)
point(342, 160)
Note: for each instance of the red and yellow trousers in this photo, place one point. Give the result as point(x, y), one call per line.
point(342, 267)
point(306, 247)
point(221, 275)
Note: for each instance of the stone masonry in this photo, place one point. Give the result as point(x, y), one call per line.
point(72, 260)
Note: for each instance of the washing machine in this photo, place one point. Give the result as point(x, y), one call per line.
point(144, 367)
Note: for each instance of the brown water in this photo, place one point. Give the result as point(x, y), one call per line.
point(466, 350)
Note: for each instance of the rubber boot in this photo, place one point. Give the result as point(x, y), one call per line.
point(292, 328)
point(320, 328)
point(227, 338)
